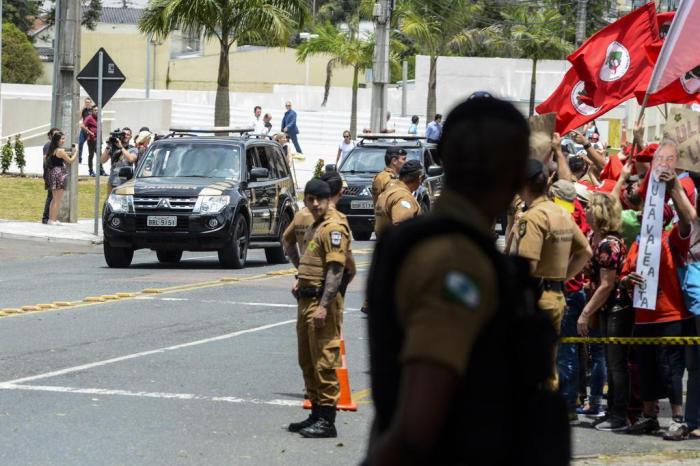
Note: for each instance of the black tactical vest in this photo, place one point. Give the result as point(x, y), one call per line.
point(500, 414)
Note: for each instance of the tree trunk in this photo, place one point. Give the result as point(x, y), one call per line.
point(222, 111)
point(432, 94)
point(329, 75)
point(533, 84)
point(353, 106)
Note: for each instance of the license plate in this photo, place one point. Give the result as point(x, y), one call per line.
point(161, 221)
point(364, 205)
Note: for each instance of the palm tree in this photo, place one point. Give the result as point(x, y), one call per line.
point(346, 47)
point(437, 27)
point(537, 33)
point(228, 21)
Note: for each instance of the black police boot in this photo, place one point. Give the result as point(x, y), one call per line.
point(324, 427)
point(313, 417)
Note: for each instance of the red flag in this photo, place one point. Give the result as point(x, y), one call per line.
point(685, 90)
point(663, 21)
point(613, 61)
point(680, 52)
point(566, 102)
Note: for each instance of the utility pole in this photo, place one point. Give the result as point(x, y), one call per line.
point(380, 70)
point(581, 19)
point(66, 94)
point(148, 67)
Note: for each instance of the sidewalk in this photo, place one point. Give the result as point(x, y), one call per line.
point(70, 233)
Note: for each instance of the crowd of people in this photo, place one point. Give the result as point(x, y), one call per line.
point(604, 195)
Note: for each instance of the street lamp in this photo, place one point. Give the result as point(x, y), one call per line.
point(306, 36)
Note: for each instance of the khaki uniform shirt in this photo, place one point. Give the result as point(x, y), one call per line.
point(381, 181)
point(328, 240)
point(350, 265)
point(446, 291)
point(297, 229)
point(548, 234)
point(395, 205)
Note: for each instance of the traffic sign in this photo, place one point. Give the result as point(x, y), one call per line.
point(112, 77)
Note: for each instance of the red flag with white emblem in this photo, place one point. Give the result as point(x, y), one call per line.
point(566, 102)
point(614, 61)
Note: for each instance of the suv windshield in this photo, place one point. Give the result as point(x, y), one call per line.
point(371, 159)
point(192, 160)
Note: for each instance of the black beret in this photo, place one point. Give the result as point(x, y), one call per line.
point(412, 166)
point(534, 168)
point(317, 187)
point(396, 151)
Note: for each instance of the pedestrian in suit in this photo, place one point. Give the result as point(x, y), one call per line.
point(289, 126)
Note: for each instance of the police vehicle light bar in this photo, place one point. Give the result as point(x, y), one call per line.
point(215, 129)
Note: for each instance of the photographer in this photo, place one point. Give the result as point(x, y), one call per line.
point(120, 153)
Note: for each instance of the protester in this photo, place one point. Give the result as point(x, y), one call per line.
point(346, 145)
point(90, 123)
point(55, 160)
point(289, 126)
point(433, 131)
point(49, 192)
point(413, 128)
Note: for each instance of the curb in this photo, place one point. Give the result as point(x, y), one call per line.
point(52, 239)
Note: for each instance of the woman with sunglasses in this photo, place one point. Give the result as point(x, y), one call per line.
point(346, 145)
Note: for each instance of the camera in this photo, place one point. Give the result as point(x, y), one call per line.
point(115, 136)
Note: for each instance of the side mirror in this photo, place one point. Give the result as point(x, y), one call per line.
point(434, 170)
point(330, 168)
point(259, 172)
point(126, 172)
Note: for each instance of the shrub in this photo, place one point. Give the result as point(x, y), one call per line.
point(20, 161)
point(6, 157)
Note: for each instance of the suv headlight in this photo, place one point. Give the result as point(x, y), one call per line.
point(121, 204)
point(211, 204)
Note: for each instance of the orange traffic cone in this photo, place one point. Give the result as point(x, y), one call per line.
point(345, 402)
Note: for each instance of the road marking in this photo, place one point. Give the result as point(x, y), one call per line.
point(197, 258)
point(141, 354)
point(176, 396)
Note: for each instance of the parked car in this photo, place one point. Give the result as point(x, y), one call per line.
point(196, 191)
point(361, 165)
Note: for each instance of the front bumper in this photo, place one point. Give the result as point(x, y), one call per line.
point(359, 219)
point(192, 232)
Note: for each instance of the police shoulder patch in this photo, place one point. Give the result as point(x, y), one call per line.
point(405, 204)
point(522, 228)
point(336, 238)
point(461, 289)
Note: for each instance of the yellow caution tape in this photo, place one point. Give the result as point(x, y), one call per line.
point(634, 340)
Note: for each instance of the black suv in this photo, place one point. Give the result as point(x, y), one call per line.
point(194, 192)
point(361, 165)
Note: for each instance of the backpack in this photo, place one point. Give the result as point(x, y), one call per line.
point(501, 413)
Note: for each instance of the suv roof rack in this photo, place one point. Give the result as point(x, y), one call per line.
point(392, 136)
point(216, 130)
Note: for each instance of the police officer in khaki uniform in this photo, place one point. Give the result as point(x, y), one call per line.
point(394, 159)
point(397, 203)
point(555, 246)
point(320, 311)
point(335, 183)
point(438, 363)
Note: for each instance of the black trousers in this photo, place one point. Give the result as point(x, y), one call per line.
point(92, 148)
point(617, 324)
point(47, 206)
point(661, 367)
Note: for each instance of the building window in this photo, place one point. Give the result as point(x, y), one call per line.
point(187, 44)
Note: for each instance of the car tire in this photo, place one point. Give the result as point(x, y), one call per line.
point(361, 235)
point(168, 257)
point(234, 255)
point(117, 257)
point(276, 255)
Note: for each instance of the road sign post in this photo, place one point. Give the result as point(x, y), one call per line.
point(101, 78)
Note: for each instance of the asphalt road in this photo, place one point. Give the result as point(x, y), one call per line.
point(184, 368)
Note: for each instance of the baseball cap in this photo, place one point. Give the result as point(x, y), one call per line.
point(396, 151)
point(410, 167)
point(534, 168)
point(564, 193)
point(317, 187)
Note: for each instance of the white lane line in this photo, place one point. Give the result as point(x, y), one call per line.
point(176, 396)
point(237, 303)
point(141, 354)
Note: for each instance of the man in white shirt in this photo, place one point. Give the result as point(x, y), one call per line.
point(257, 123)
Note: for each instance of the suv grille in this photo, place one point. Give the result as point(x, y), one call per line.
point(354, 190)
point(175, 204)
